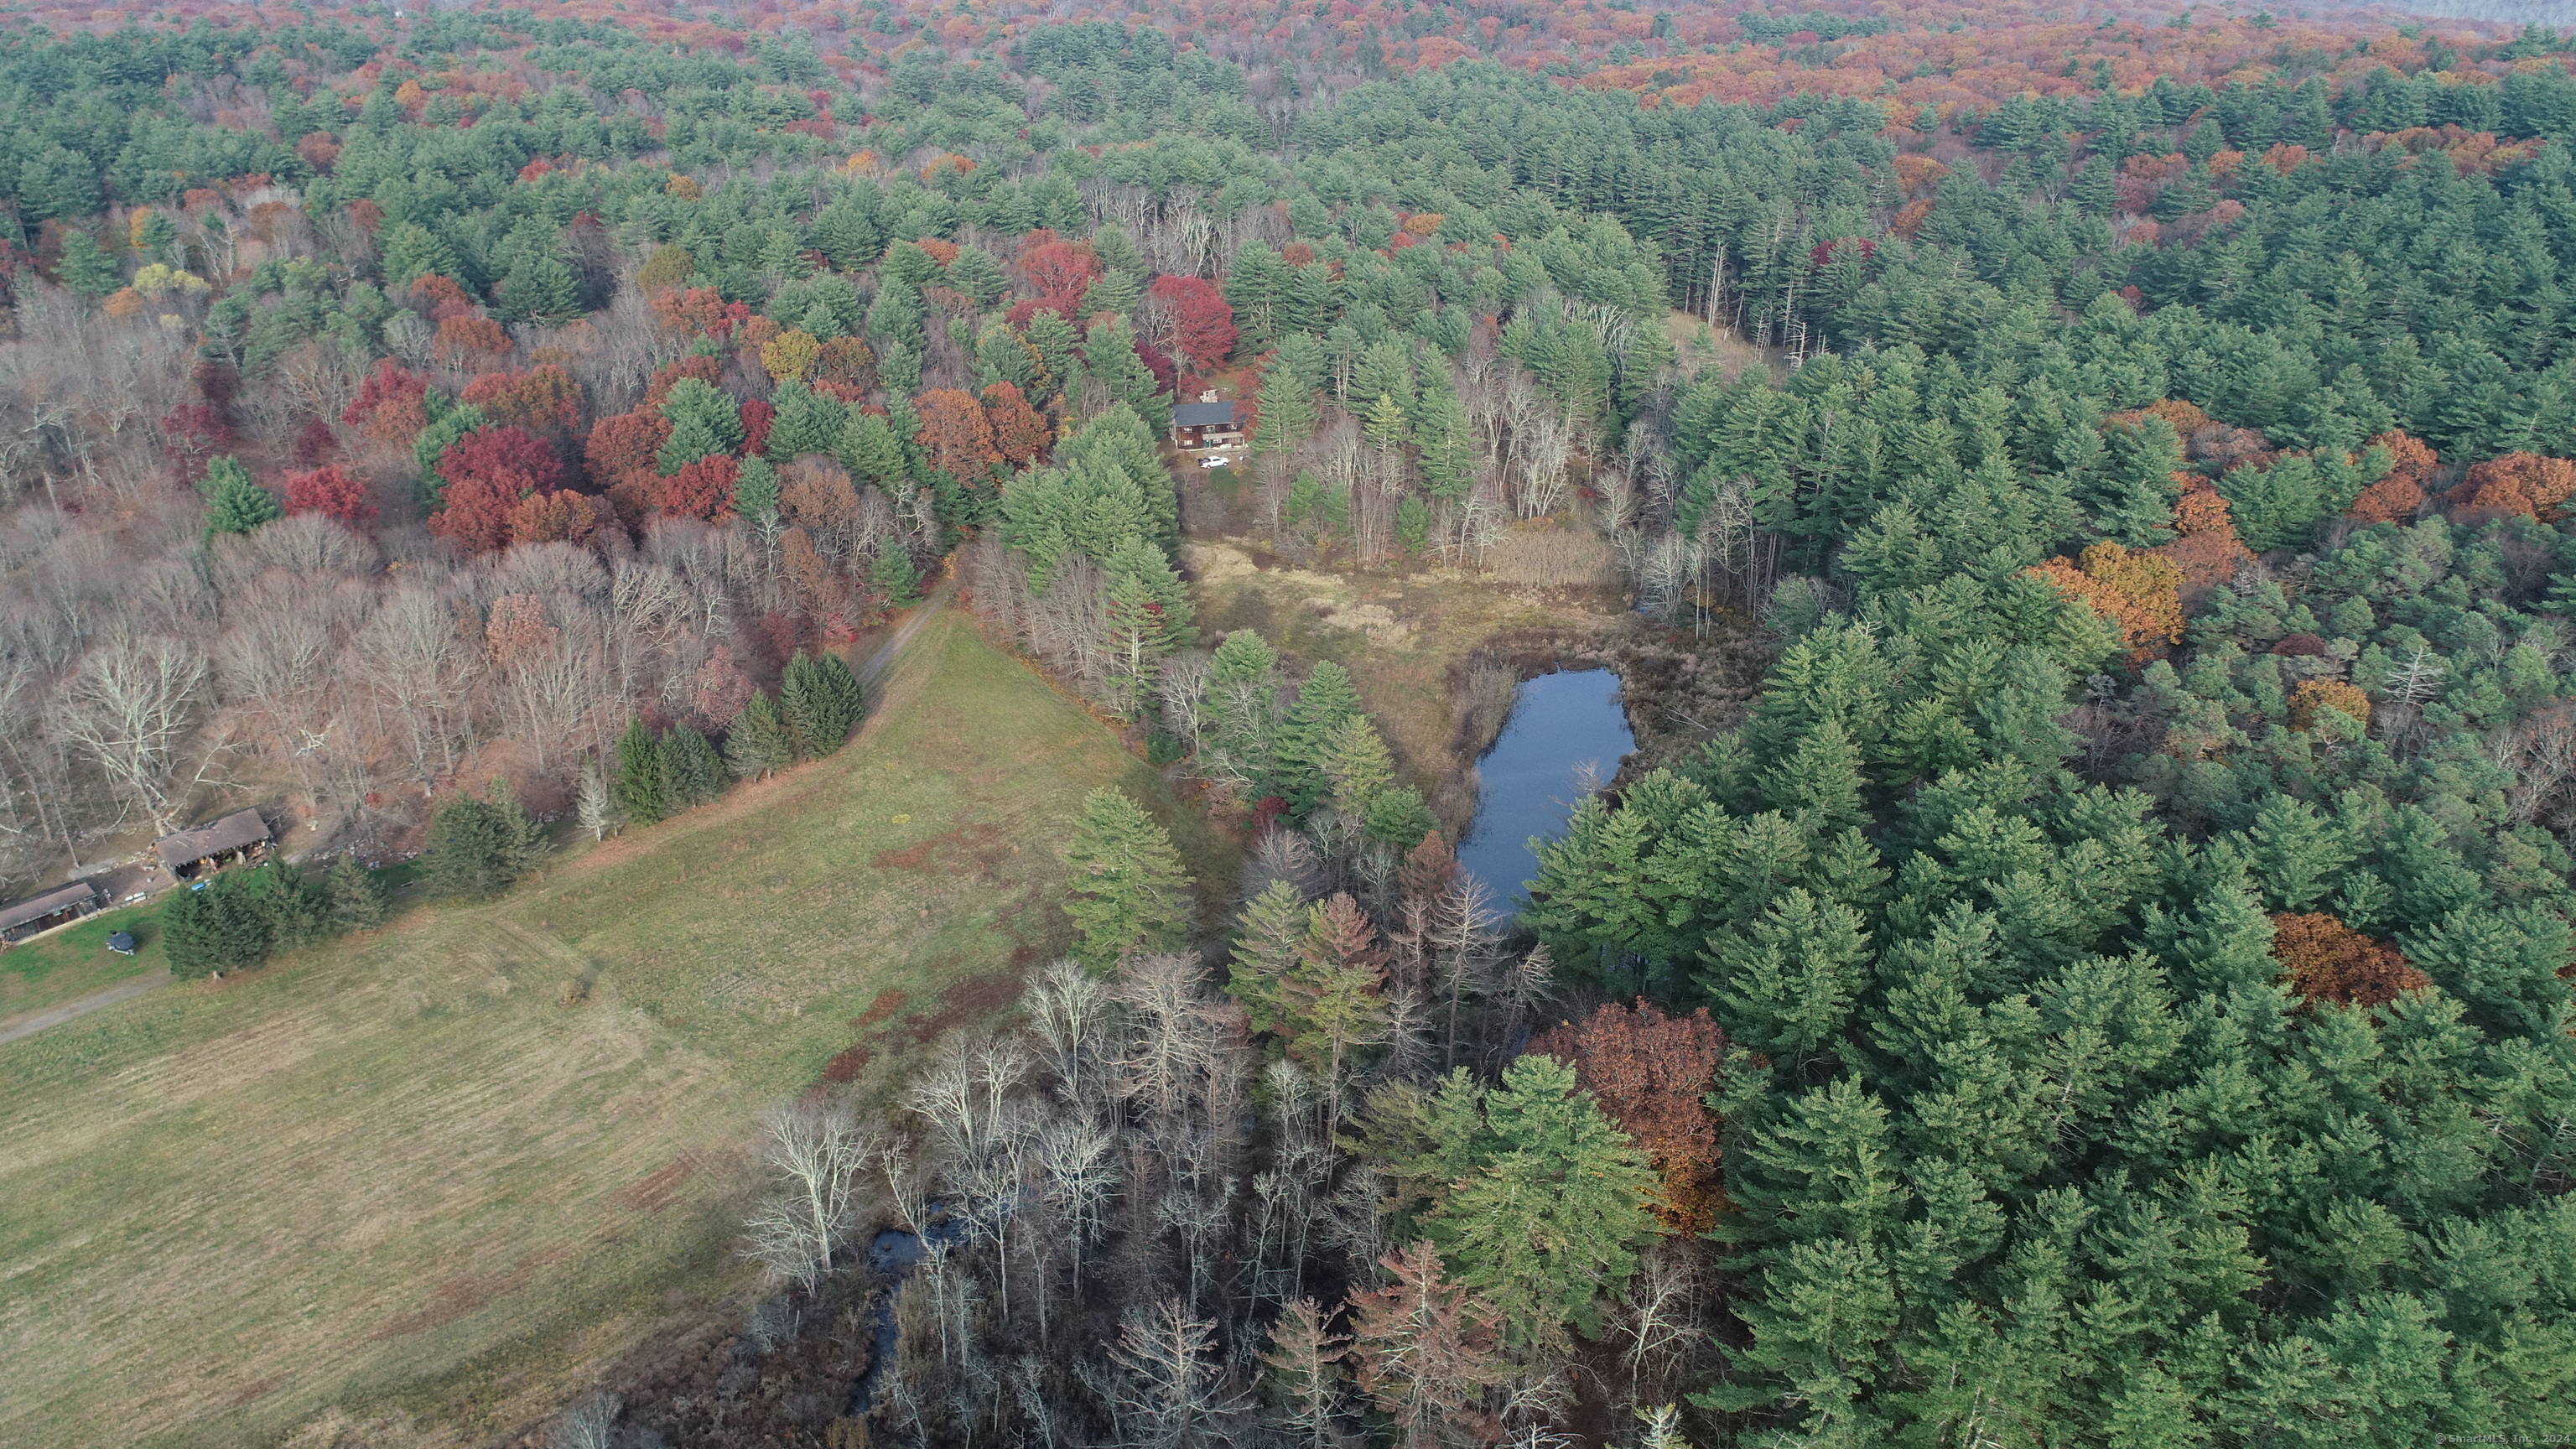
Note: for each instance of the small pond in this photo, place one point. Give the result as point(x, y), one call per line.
point(1527, 783)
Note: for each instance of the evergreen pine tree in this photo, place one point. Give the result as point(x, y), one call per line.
point(1399, 818)
point(691, 772)
point(703, 422)
point(872, 452)
point(1117, 291)
point(846, 233)
point(86, 267)
point(294, 911)
point(1267, 935)
point(412, 252)
point(478, 846)
point(755, 491)
point(1788, 981)
point(1253, 289)
point(974, 272)
point(1287, 411)
point(1140, 633)
point(643, 789)
point(1002, 355)
point(1357, 766)
point(893, 574)
point(2133, 500)
point(807, 422)
point(819, 702)
point(353, 896)
point(539, 289)
point(1243, 708)
point(899, 367)
point(1109, 354)
point(1446, 443)
point(896, 318)
point(758, 744)
point(1541, 1202)
point(234, 503)
point(1059, 350)
point(1128, 891)
point(1302, 744)
point(213, 928)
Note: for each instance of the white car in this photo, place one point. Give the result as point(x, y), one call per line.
point(1218, 461)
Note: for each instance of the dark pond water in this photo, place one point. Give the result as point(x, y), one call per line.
point(894, 1253)
point(1527, 782)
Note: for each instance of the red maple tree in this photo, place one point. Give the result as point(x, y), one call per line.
point(702, 489)
point(332, 492)
point(756, 417)
point(1202, 328)
point(315, 444)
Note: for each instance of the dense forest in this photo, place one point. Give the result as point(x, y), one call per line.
point(2109, 989)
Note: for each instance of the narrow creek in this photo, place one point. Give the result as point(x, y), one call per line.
point(1563, 726)
point(894, 1253)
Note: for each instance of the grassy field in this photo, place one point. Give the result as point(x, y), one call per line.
point(399, 1192)
point(76, 962)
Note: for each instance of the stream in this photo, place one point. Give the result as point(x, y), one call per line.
point(892, 1254)
point(1527, 783)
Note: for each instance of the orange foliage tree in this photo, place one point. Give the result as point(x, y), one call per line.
point(2398, 495)
point(2205, 545)
point(626, 445)
point(1650, 1072)
point(2325, 960)
point(2140, 593)
point(540, 397)
point(2518, 483)
point(1020, 432)
point(471, 342)
point(554, 518)
point(956, 435)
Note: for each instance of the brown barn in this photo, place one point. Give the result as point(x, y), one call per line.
point(240, 838)
point(34, 916)
point(1207, 423)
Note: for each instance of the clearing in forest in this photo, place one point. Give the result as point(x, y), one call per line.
point(397, 1191)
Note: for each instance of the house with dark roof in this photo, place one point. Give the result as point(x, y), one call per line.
point(240, 838)
point(1207, 423)
point(37, 914)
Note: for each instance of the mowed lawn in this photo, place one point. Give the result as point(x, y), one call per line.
point(398, 1191)
point(70, 964)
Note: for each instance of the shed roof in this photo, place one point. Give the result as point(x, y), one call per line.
point(242, 827)
point(33, 908)
point(1201, 415)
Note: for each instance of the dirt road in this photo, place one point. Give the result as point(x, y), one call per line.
point(14, 1027)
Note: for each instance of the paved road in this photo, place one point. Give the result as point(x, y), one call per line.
point(12, 1028)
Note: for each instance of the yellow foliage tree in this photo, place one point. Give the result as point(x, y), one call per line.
point(790, 354)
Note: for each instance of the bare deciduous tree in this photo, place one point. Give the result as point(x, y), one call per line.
point(1171, 1394)
point(815, 1153)
point(128, 706)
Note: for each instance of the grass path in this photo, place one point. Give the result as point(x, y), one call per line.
point(14, 1027)
point(398, 1193)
